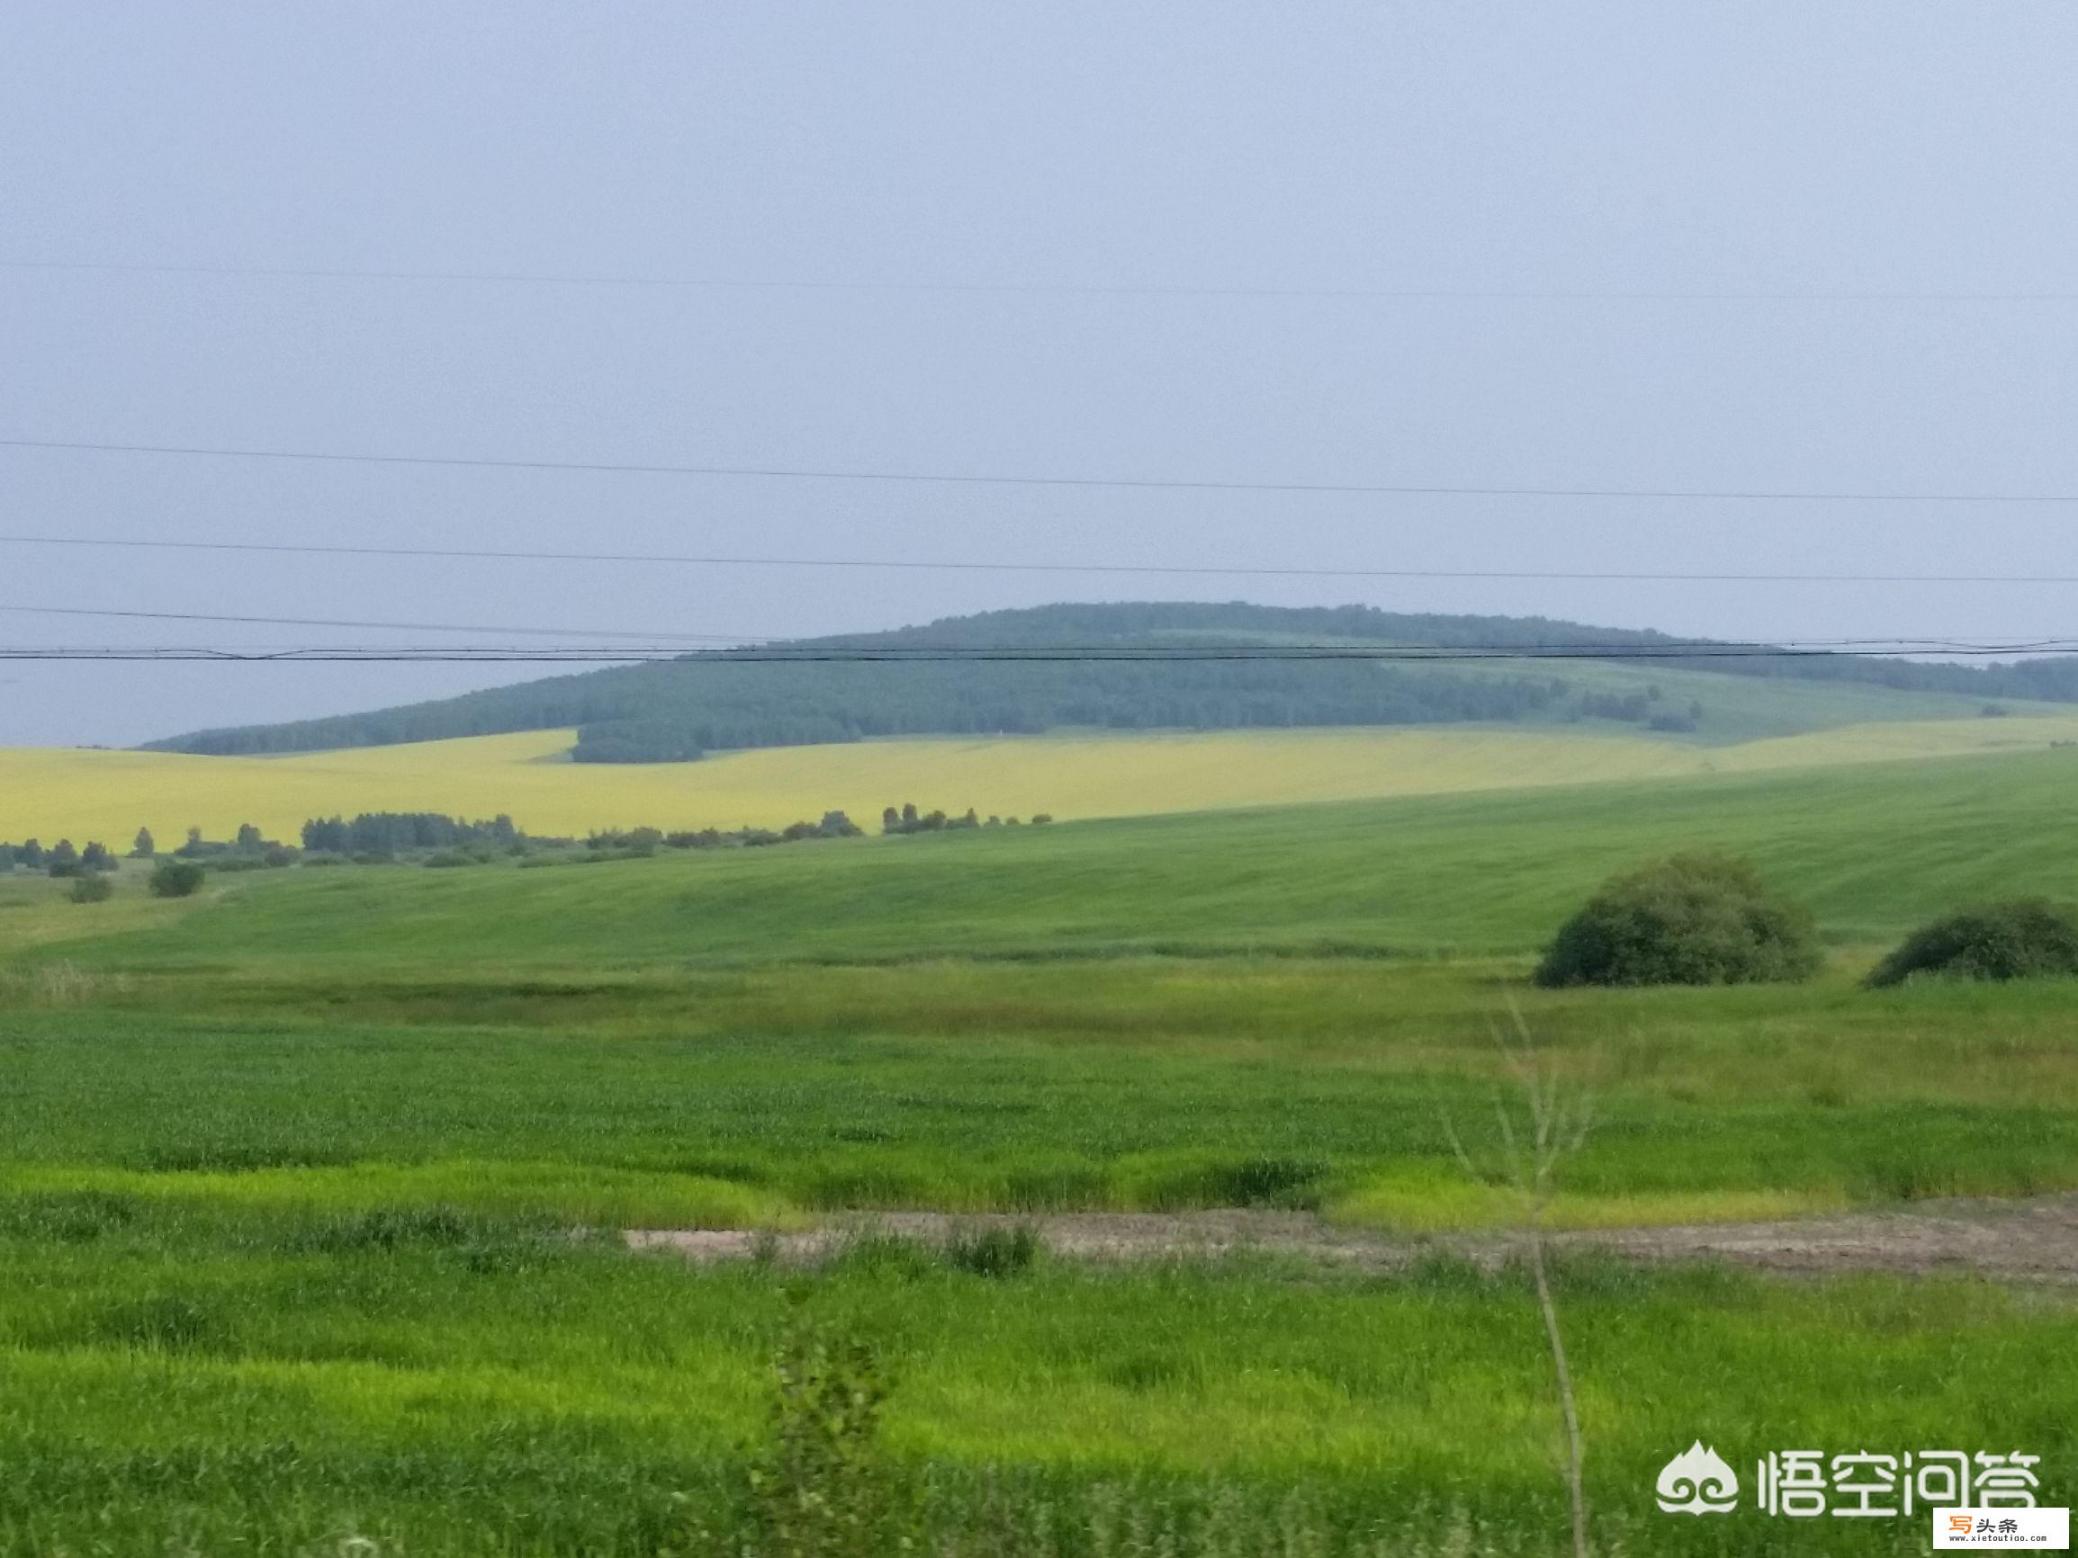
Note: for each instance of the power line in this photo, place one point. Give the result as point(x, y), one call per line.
point(817, 655)
point(1191, 570)
point(412, 627)
point(954, 478)
point(1016, 288)
point(653, 641)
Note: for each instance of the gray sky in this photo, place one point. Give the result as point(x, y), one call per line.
point(1747, 147)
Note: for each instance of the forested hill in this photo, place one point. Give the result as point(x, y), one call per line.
point(680, 709)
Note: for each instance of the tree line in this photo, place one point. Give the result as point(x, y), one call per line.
point(907, 819)
point(438, 839)
point(62, 859)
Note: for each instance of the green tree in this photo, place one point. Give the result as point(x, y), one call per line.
point(1697, 919)
point(2022, 939)
point(145, 847)
point(824, 1487)
point(175, 879)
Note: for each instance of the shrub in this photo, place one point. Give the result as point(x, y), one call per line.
point(823, 1483)
point(92, 889)
point(995, 1251)
point(1696, 919)
point(2014, 940)
point(175, 879)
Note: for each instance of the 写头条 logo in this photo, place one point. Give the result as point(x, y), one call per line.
point(1698, 1482)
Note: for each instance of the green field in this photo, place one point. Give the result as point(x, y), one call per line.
point(311, 1182)
point(1873, 848)
point(50, 794)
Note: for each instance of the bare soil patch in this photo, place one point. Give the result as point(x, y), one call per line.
point(2034, 1239)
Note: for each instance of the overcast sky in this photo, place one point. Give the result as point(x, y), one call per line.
point(1749, 148)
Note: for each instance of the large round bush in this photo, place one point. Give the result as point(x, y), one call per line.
point(175, 879)
point(1698, 919)
point(2014, 940)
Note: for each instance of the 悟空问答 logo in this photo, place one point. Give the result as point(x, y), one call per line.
point(1698, 1482)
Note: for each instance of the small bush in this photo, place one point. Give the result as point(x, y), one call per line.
point(92, 889)
point(993, 1252)
point(1269, 1181)
point(176, 879)
point(2021, 939)
point(389, 1229)
point(66, 1217)
point(1697, 919)
point(823, 1483)
point(166, 1323)
point(59, 984)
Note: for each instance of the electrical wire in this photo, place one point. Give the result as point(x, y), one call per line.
point(1017, 288)
point(644, 636)
point(962, 478)
point(812, 655)
point(652, 641)
point(1181, 570)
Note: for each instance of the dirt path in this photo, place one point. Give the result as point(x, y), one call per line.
point(2028, 1240)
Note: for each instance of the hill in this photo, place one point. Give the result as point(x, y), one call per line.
point(682, 709)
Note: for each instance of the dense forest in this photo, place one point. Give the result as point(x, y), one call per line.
point(679, 710)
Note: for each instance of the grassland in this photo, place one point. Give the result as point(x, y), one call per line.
point(480, 1389)
point(1874, 849)
point(109, 795)
point(731, 1100)
point(294, 1178)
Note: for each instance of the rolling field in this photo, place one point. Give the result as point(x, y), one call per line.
point(108, 795)
point(309, 1186)
point(1874, 849)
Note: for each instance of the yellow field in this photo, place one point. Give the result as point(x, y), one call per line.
point(53, 793)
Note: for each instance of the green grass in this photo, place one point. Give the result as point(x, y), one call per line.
point(746, 1097)
point(1874, 849)
point(307, 1186)
point(1751, 708)
point(474, 1388)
